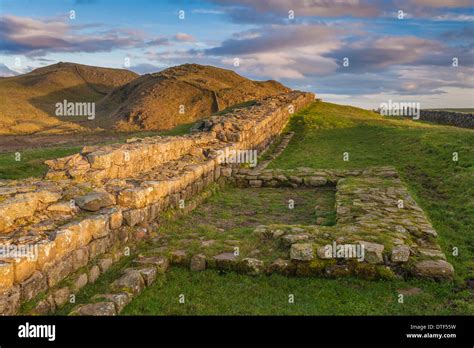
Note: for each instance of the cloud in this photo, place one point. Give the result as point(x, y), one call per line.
point(275, 38)
point(312, 54)
point(280, 51)
point(145, 68)
point(32, 37)
point(454, 17)
point(244, 10)
point(276, 11)
point(208, 11)
point(160, 41)
point(442, 3)
point(375, 54)
point(184, 37)
point(401, 81)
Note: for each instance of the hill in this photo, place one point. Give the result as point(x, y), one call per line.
point(177, 95)
point(28, 101)
point(124, 100)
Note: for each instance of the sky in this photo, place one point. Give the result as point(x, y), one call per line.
point(357, 52)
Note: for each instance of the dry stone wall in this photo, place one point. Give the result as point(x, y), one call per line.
point(450, 118)
point(90, 204)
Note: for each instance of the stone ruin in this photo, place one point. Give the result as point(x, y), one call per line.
point(77, 220)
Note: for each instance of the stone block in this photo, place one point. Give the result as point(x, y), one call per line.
point(255, 183)
point(148, 274)
point(301, 251)
point(95, 309)
point(79, 282)
point(98, 247)
point(80, 258)
point(7, 275)
point(161, 263)
point(198, 263)
point(32, 286)
point(280, 266)
point(251, 266)
point(23, 268)
point(61, 296)
point(58, 271)
point(400, 253)
point(116, 219)
point(94, 273)
point(434, 269)
point(20, 206)
point(226, 261)
point(94, 201)
point(120, 300)
point(372, 252)
point(315, 181)
point(105, 263)
point(131, 282)
point(10, 300)
point(178, 257)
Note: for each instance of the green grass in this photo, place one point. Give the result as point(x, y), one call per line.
point(228, 219)
point(31, 163)
point(212, 293)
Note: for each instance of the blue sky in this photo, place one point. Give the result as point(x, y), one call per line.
point(407, 59)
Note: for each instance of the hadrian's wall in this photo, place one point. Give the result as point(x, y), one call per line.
point(450, 118)
point(91, 204)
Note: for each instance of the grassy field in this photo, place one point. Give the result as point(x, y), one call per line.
point(229, 218)
point(423, 154)
point(212, 293)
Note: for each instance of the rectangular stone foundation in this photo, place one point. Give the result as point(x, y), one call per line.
point(374, 211)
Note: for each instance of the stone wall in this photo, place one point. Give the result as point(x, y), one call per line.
point(448, 118)
point(91, 203)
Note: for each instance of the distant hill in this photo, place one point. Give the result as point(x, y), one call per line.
point(28, 101)
point(124, 100)
point(180, 94)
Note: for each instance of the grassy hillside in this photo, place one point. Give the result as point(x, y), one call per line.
point(180, 94)
point(124, 100)
point(28, 101)
point(323, 132)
